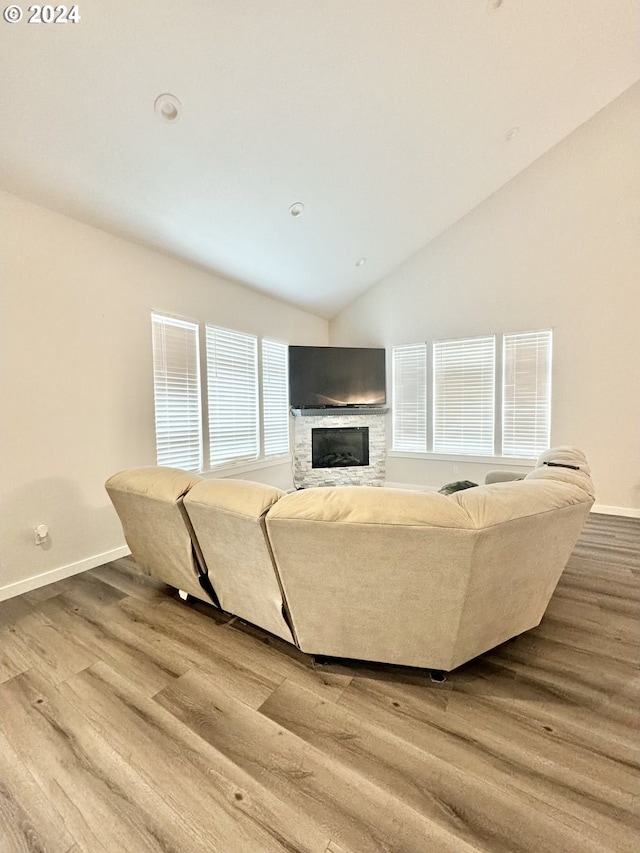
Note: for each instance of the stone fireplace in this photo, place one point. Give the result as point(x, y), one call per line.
point(336, 449)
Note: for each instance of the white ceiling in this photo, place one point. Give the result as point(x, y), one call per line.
point(387, 118)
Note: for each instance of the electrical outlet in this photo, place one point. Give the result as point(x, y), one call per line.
point(455, 469)
point(40, 532)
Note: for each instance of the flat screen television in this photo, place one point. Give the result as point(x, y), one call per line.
point(322, 377)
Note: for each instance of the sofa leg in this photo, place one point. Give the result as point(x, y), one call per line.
point(437, 675)
point(183, 595)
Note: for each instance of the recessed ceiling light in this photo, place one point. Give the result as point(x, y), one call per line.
point(167, 107)
point(510, 134)
point(296, 209)
point(361, 262)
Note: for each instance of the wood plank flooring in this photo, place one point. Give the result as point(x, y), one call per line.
point(131, 721)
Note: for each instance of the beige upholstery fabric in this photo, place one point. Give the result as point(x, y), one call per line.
point(149, 503)
point(420, 578)
point(541, 491)
point(228, 520)
point(370, 505)
point(372, 584)
point(500, 476)
point(564, 455)
point(406, 577)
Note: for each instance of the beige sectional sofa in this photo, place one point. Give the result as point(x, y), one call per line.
point(378, 574)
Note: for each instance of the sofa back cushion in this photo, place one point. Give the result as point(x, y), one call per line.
point(227, 517)
point(149, 503)
point(370, 505)
point(538, 493)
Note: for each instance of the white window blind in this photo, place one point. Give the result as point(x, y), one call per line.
point(526, 401)
point(176, 388)
point(464, 396)
point(409, 390)
point(275, 397)
point(232, 385)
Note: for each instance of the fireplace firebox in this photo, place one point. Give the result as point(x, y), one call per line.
point(339, 447)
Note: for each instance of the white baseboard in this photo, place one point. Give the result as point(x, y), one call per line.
point(626, 511)
point(37, 581)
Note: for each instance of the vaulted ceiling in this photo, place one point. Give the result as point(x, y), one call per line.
point(388, 120)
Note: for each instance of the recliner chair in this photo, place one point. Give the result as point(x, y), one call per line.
point(228, 522)
point(150, 504)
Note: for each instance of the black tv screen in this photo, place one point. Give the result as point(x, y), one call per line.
point(336, 376)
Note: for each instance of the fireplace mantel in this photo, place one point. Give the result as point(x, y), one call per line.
point(333, 411)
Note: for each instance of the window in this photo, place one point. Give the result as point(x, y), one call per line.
point(176, 388)
point(232, 384)
point(246, 414)
point(486, 396)
point(463, 396)
point(409, 397)
point(526, 404)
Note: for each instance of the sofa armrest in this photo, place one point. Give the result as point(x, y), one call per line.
point(502, 477)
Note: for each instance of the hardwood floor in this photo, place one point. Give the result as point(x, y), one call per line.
point(131, 721)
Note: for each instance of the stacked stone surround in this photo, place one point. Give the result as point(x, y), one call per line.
point(305, 476)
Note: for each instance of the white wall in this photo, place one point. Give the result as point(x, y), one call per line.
point(76, 378)
point(559, 247)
